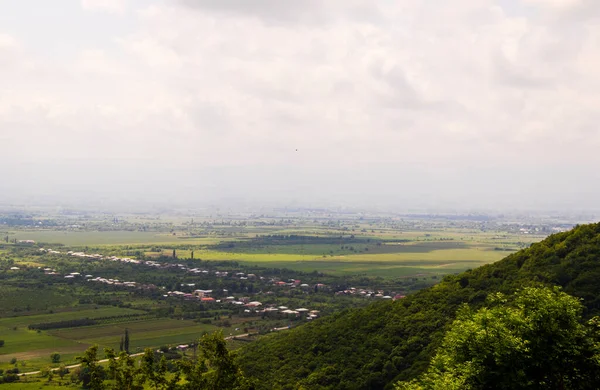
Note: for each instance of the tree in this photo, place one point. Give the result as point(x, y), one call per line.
point(1, 343)
point(155, 370)
point(215, 368)
point(62, 371)
point(123, 370)
point(55, 357)
point(174, 254)
point(126, 341)
point(91, 375)
point(534, 340)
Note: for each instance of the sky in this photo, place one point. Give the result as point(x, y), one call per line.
point(383, 104)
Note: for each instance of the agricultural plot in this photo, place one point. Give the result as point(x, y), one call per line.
point(143, 334)
point(14, 299)
point(82, 238)
point(24, 321)
point(405, 256)
point(35, 346)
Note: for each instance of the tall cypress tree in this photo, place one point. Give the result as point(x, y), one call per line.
point(126, 342)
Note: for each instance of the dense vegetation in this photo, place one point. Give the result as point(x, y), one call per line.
point(535, 339)
point(374, 347)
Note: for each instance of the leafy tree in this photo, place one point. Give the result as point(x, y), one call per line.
point(91, 374)
point(535, 340)
point(215, 368)
point(126, 341)
point(124, 371)
point(62, 371)
point(55, 357)
point(155, 371)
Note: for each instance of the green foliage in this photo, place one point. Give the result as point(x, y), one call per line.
point(215, 368)
point(62, 371)
point(55, 357)
point(390, 341)
point(155, 370)
point(126, 341)
point(91, 374)
point(535, 341)
point(1, 343)
point(122, 369)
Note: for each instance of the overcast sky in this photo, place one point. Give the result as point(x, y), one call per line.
point(397, 104)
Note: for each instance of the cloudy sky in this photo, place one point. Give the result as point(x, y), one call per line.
point(398, 104)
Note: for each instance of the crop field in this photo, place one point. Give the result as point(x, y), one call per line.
point(77, 238)
point(36, 347)
point(397, 255)
point(24, 321)
point(30, 299)
point(143, 334)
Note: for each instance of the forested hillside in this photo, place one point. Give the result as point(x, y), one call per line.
point(374, 347)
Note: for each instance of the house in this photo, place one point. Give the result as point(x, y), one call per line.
point(207, 299)
point(203, 293)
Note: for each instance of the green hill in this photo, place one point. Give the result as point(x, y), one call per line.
point(372, 348)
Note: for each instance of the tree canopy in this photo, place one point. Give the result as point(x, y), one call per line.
point(534, 339)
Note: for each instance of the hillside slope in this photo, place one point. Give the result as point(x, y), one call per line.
point(371, 348)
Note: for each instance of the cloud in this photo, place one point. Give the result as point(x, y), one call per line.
point(111, 6)
point(389, 102)
point(307, 12)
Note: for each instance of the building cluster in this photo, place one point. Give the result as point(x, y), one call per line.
point(369, 293)
point(205, 296)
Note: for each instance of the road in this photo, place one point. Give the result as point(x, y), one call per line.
point(138, 354)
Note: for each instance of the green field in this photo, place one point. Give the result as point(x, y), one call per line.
point(45, 298)
point(36, 347)
point(150, 333)
point(24, 321)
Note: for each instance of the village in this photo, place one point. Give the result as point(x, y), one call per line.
point(221, 298)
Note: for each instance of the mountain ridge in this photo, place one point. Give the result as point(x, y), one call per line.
point(373, 347)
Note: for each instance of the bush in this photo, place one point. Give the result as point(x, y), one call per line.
point(1, 343)
point(55, 357)
point(9, 378)
point(13, 360)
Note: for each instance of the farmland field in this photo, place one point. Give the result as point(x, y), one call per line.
point(35, 347)
point(24, 321)
point(77, 238)
point(150, 333)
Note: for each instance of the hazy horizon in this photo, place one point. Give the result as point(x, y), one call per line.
point(405, 105)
